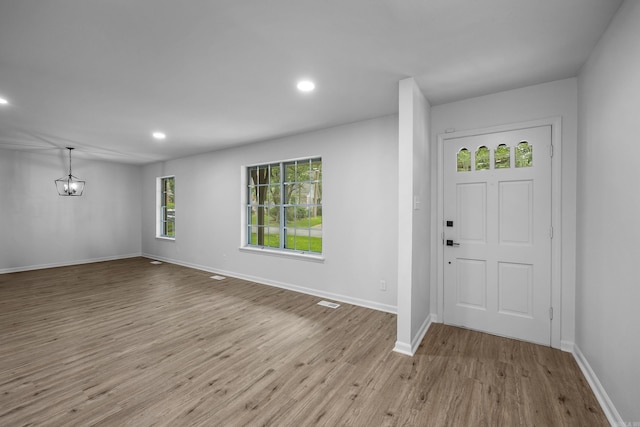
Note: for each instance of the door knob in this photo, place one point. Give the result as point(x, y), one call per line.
point(452, 243)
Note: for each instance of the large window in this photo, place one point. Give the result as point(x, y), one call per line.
point(166, 207)
point(284, 206)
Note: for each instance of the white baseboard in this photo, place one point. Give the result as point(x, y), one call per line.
point(567, 346)
point(322, 294)
point(608, 408)
point(410, 349)
point(403, 348)
point(415, 343)
point(66, 263)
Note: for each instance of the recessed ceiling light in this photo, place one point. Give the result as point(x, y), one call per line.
point(306, 86)
point(159, 135)
point(3, 101)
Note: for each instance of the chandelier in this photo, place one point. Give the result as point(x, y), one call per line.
point(69, 185)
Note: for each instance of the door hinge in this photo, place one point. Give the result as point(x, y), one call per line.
point(442, 236)
point(550, 313)
point(551, 150)
point(551, 232)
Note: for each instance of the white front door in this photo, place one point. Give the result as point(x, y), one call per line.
point(497, 232)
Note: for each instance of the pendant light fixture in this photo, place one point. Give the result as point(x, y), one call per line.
point(69, 185)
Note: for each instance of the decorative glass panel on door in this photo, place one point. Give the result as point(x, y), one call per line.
point(524, 155)
point(464, 160)
point(482, 158)
point(502, 157)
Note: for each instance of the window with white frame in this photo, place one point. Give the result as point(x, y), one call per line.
point(166, 215)
point(284, 206)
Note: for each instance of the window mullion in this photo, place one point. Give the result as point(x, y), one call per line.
point(283, 219)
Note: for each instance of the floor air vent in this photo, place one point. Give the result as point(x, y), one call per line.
point(329, 304)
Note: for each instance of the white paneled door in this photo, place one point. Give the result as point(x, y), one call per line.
point(497, 233)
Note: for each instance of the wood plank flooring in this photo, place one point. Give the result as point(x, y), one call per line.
point(128, 343)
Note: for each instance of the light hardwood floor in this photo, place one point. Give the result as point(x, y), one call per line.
point(127, 343)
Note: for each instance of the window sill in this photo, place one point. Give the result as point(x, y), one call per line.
point(166, 238)
point(283, 254)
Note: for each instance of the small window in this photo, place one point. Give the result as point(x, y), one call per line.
point(524, 155)
point(503, 157)
point(482, 158)
point(284, 209)
point(166, 223)
point(464, 160)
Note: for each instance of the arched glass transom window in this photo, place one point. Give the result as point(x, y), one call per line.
point(482, 158)
point(502, 157)
point(524, 155)
point(464, 160)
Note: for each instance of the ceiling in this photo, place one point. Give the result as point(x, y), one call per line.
point(101, 76)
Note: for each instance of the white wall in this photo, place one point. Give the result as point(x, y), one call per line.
point(608, 284)
point(557, 98)
point(414, 213)
point(41, 229)
point(421, 253)
point(360, 184)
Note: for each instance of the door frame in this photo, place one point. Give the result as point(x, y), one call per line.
point(556, 214)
